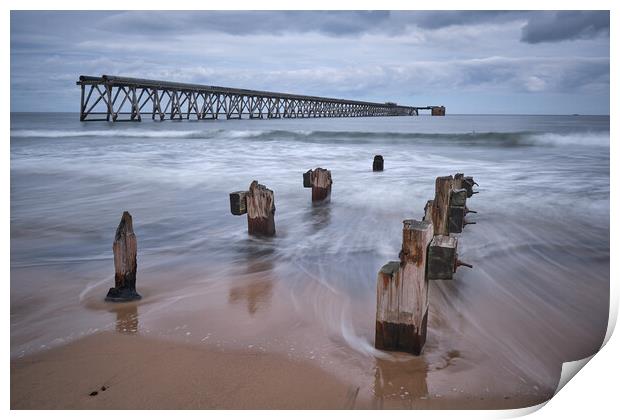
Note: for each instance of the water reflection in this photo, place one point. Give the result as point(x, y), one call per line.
point(399, 383)
point(257, 294)
point(126, 318)
point(320, 215)
point(256, 284)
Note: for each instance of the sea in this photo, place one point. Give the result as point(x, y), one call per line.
point(537, 295)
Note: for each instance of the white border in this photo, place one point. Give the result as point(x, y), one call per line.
point(592, 395)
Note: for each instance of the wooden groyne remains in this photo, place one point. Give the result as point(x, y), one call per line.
point(116, 98)
point(428, 252)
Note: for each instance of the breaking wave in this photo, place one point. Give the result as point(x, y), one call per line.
point(486, 139)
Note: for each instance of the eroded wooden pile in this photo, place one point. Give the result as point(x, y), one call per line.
point(429, 252)
point(320, 180)
point(377, 163)
point(125, 250)
point(402, 293)
point(259, 204)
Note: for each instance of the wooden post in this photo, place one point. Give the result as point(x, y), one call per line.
point(441, 203)
point(402, 293)
point(457, 211)
point(320, 180)
point(125, 249)
point(238, 203)
point(458, 181)
point(377, 164)
point(443, 258)
point(466, 182)
point(428, 212)
point(458, 197)
point(456, 219)
point(308, 179)
point(261, 209)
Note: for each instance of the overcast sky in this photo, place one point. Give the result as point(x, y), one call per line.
point(471, 62)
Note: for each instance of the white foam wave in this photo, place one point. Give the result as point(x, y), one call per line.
point(572, 139)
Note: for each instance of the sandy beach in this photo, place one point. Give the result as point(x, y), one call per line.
point(133, 372)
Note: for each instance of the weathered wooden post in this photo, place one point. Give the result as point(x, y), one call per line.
point(441, 204)
point(125, 249)
point(238, 203)
point(467, 182)
point(443, 258)
point(258, 202)
point(377, 163)
point(428, 211)
point(308, 179)
point(457, 211)
point(458, 181)
point(320, 180)
point(402, 293)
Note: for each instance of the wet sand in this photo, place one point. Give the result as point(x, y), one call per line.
point(133, 372)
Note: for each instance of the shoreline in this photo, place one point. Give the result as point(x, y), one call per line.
point(144, 373)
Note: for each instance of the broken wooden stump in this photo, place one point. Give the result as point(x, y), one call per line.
point(125, 249)
point(443, 258)
point(377, 163)
point(402, 293)
point(320, 180)
point(258, 202)
point(261, 210)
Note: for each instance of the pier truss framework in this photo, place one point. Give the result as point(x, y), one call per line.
point(114, 98)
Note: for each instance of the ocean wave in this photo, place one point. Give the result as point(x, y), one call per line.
point(497, 139)
point(104, 133)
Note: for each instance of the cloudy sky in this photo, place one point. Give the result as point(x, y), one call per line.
point(471, 62)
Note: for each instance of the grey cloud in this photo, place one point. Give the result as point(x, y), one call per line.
point(335, 23)
point(247, 23)
point(499, 74)
point(565, 25)
point(443, 19)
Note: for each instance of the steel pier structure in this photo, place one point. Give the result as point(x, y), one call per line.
point(114, 98)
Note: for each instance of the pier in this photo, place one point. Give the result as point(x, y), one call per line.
point(115, 98)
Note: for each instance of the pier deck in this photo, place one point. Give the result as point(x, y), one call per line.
point(114, 98)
